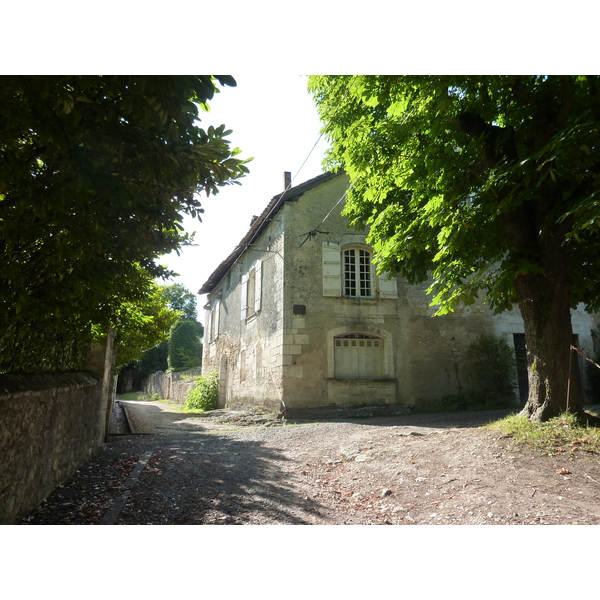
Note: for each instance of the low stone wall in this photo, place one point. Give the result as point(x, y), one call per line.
point(171, 386)
point(50, 425)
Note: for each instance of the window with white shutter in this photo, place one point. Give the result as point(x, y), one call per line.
point(251, 291)
point(257, 286)
point(244, 299)
point(388, 286)
point(214, 320)
point(332, 273)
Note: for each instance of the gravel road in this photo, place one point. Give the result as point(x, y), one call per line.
point(249, 468)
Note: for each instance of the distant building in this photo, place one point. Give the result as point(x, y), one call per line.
point(297, 313)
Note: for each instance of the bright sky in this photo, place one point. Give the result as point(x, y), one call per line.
point(277, 124)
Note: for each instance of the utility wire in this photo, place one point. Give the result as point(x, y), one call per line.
point(306, 159)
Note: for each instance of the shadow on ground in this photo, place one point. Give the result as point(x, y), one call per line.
point(214, 479)
point(192, 477)
point(394, 416)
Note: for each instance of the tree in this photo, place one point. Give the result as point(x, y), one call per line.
point(96, 174)
point(184, 346)
point(143, 325)
point(185, 350)
point(181, 303)
point(181, 300)
point(489, 185)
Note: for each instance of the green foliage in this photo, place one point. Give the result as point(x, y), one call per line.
point(470, 178)
point(206, 393)
point(142, 325)
point(138, 396)
point(96, 175)
point(491, 365)
point(153, 360)
point(182, 303)
point(184, 346)
point(181, 300)
point(474, 400)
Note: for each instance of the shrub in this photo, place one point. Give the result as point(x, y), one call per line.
point(205, 394)
point(491, 364)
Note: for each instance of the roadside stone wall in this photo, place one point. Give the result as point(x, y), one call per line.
point(171, 386)
point(50, 425)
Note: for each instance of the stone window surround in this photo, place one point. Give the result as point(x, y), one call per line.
point(388, 351)
point(334, 271)
point(358, 283)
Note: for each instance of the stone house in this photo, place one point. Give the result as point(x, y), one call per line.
point(296, 313)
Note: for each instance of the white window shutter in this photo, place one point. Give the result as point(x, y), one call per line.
point(257, 285)
point(217, 314)
point(388, 286)
point(244, 296)
point(332, 274)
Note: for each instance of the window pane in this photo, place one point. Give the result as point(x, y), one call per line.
point(365, 273)
point(357, 273)
point(349, 273)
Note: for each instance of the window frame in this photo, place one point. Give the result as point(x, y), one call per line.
point(359, 371)
point(382, 287)
point(251, 292)
point(360, 277)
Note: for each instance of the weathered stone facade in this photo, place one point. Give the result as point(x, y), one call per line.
point(285, 321)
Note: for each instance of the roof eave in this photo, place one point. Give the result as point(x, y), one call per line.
point(258, 226)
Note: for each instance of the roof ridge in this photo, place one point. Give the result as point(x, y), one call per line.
point(259, 224)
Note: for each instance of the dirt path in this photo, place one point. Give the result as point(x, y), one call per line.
point(244, 468)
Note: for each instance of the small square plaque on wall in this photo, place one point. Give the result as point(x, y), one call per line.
point(299, 309)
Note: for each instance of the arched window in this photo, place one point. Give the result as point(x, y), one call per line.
point(357, 273)
point(358, 356)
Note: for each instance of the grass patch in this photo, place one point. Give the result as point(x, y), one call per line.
point(182, 408)
point(137, 396)
point(561, 435)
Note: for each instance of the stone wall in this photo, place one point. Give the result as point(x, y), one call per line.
point(50, 425)
point(246, 349)
point(171, 386)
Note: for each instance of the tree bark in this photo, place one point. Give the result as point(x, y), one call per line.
point(552, 367)
point(544, 304)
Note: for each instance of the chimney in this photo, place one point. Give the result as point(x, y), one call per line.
point(287, 180)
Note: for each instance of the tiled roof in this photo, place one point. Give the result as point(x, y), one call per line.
point(259, 225)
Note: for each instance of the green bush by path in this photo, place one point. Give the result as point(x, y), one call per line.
point(205, 394)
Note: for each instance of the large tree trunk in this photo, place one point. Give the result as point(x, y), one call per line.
point(544, 303)
point(552, 367)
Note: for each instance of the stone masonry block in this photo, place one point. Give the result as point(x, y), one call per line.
point(293, 371)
